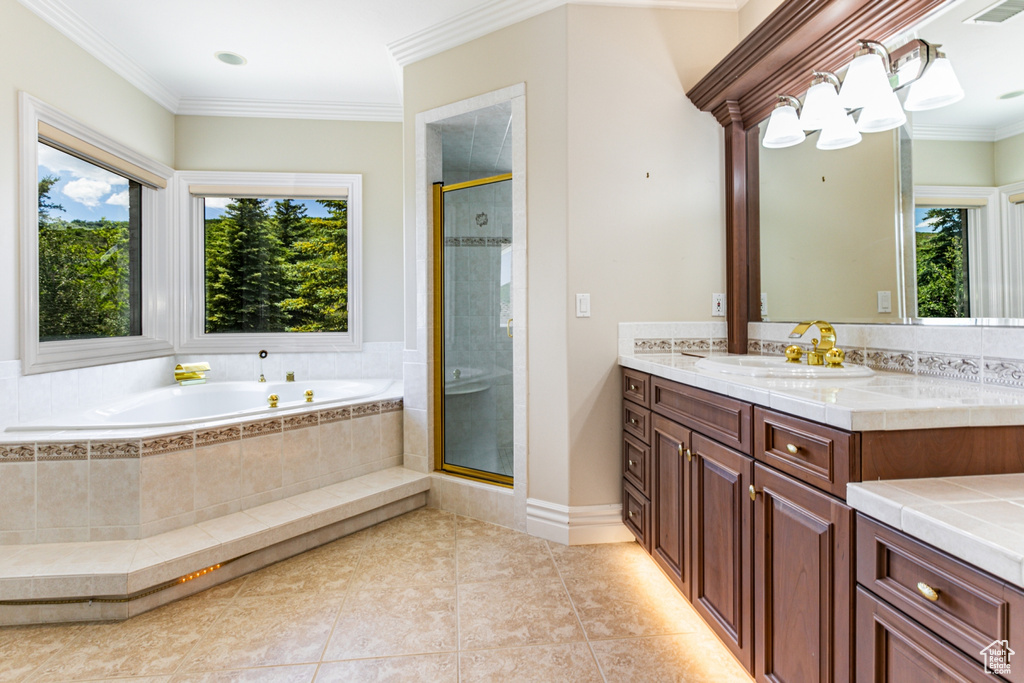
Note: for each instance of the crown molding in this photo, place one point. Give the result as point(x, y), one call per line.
point(1009, 131)
point(288, 109)
point(64, 19)
point(950, 133)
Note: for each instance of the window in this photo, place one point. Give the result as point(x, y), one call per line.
point(941, 247)
point(273, 260)
point(92, 210)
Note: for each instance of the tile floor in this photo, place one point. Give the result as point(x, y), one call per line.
point(428, 596)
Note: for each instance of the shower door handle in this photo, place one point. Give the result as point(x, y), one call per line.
point(508, 327)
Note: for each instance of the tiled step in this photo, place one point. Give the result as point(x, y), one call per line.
point(116, 575)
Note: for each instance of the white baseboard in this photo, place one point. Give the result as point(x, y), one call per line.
point(581, 525)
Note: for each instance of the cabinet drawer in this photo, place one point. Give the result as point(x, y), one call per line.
point(821, 456)
point(636, 387)
point(636, 515)
point(636, 464)
point(724, 419)
point(636, 421)
point(893, 649)
point(970, 609)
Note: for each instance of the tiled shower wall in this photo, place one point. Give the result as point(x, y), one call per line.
point(24, 398)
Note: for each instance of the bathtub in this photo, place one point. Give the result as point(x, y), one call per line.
point(212, 402)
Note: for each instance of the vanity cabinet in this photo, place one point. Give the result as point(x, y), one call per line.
point(752, 534)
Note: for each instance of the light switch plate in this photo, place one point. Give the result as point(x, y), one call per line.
point(582, 305)
point(718, 305)
point(764, 305)
point(885, 302)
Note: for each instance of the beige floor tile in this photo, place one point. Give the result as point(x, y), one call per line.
point(627, 605)
point(572, 663)
point(592, 559)
point(267, 631)
point(327, 570)
point(441, 668)
point(691, 658)
point(270, 674)
point(149, 644)
point(419, 525)
point(412, 563)
point(503, 558)
point(395, 621)
point(516, 613)
point(23, 649)
point(467, 527)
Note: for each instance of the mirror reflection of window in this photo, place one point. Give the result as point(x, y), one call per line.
point(941, 248)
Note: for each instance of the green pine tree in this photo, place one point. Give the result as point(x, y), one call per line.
point(942, 284)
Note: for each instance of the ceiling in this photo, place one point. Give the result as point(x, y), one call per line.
point(986, 59)
point(326, 59)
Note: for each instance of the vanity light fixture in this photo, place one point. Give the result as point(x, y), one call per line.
point(822, 102)
point(867, 78)
point(839, 133)
point(784, 124)
point(937, 87)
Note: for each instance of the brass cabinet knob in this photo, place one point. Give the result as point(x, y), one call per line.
point(272, 400)
point(309, 395)
point(631, 463)
point(630, 513)
point(679, 449)
point(753, 493)
point(927, 591)
point(792, 448)
point(633, 421)
point(633, 387)
point(689, 455)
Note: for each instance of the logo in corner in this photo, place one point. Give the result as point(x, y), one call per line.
point(997, 657)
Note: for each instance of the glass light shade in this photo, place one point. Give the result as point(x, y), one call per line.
point(838, 133)
point(820, 106)
point(783, 129)
point(937, 87)
point(881, 115)
point(866, 82)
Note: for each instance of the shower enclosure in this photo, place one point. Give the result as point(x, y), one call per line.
point(474, 328)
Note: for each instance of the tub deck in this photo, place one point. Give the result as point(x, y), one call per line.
point(111, 580)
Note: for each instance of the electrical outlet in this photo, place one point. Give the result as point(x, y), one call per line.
point(885, 302)
point(764, 305)
point(718, 305)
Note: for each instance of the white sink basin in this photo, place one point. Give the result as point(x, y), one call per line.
point(765, 366)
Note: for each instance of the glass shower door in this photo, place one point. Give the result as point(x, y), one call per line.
point(474, 328)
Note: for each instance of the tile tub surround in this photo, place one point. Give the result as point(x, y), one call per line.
point(987, 355)
point(241, 542)
point(886, 401)
point(24, 398)
point(977, 519)
point(118, 485)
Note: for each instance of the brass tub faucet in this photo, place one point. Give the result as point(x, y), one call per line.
point(824, 352)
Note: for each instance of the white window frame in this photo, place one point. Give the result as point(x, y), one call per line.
point(189, 220)
point(157, 335)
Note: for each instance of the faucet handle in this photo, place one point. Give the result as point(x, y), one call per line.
point(834, 357)
point(793, 353)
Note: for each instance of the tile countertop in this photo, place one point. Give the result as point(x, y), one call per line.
point(977, 519)
point(886, 401)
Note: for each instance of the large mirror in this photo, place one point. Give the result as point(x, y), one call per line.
point(918, 224)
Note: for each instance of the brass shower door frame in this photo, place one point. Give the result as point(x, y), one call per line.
point(439, 464)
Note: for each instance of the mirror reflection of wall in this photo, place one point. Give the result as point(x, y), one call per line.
point(967, 161)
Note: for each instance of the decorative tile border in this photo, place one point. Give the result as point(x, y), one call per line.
point(652, 346)
point(855, 356)
point(1004, 371)
point(391, 406)
point(17, 452)
point(300, 421)
point(690, 345)
point(62, 451)
point(477, 241)
point(210, 437)
point(891, 360)
point(679, 345)
point(261, 428)
point(365, 409)
point(950, 367)
point(171, 443)
point(334, 415)
point(114, 450)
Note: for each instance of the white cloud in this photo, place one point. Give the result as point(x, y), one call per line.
point(217, 202)
point(119, 199)
point(86, 190)
point(61, 164)
point(928, 224)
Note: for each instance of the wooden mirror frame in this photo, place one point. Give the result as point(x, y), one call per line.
point(777, 58)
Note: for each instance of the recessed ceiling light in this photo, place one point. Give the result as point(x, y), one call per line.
point(1011, 95)
point(232, 58)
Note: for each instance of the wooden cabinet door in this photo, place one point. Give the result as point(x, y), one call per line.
point(894, 649)
point(721, 581)
point(671, 501)
point(803, 582)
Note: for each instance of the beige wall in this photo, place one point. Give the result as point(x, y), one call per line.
point(753, 13)
point(828, 237)
point(374, 149)
point(37, 59)
point(1008, 159)
point(954, 162)
point(605, 107)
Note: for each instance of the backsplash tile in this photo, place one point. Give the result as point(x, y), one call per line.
point(890, 360)
point(949, 366)
point(1003, 371)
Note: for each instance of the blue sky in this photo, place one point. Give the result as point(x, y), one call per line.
point(85, 191)
point(920, 224)
point(215, 207)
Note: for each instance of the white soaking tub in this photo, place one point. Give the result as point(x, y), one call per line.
point(215, 401)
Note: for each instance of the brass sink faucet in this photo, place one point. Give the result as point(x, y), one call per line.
point(824, 352)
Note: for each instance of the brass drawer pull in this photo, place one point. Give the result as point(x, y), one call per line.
point(631, 463)
point(793, 449)
point(633, 387)
point(630, 512)
point(753, 493)
point(680, 450)
point(927, 591)
point(633, 421)
point(689, 455)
